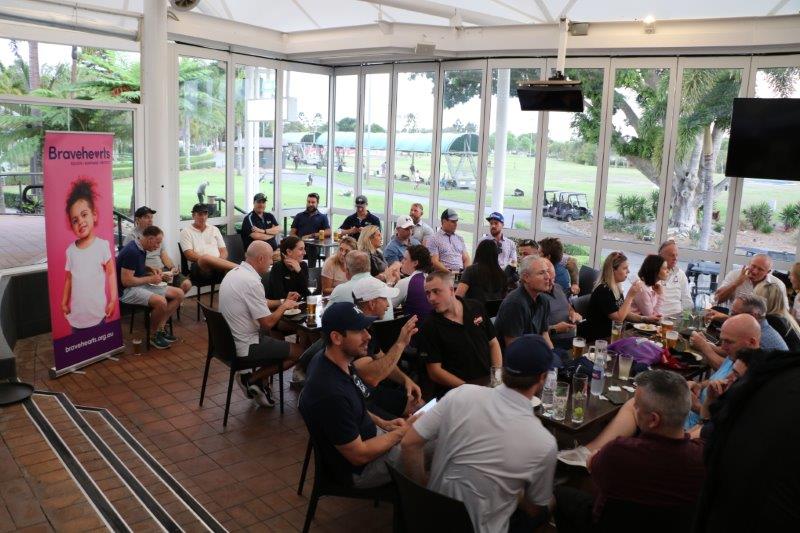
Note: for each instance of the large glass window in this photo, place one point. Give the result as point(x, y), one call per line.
point(201, 131)
point(374, 163)
point(344, 141)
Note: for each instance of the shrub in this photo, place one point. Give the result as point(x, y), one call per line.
point(758, 215)
point(718, 227)
point(634, 208)
point(790, 216)
point(766, 228)
point(654, 195)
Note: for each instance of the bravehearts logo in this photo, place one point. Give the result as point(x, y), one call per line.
point(83, 153)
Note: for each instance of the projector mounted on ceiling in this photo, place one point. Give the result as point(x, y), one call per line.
point(184, 5)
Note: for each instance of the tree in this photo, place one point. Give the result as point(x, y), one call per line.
point(346, 124)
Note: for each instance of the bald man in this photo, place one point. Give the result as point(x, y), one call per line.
point(743, 282)
point(525, 310)
point(740, 332)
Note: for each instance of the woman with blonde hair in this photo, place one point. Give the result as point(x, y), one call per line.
point(778, 315)
point(370, 241)
point(334, 270)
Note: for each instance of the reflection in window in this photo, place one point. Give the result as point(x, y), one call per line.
point(374, 163)
point(344, 141)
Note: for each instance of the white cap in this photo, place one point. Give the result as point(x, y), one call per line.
point(370, 288)
point(405, 221)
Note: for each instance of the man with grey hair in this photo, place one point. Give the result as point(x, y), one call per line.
point(743, 282)
point(677, 296)
point(749, 304)
point(357, 264)
point(525, 310)
point(659, 467)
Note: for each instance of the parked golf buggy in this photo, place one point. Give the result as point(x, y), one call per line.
point(566, 206)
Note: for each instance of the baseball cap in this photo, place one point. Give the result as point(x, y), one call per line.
point(496, 216)
point(361, 200)
point(345, 316)
point(144, 210)
point(449, 214)
point(260, 197)
point(530, 355)
point(200, 208)
point(367, 289)
point(404, 221)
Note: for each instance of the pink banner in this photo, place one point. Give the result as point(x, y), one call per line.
point(84, 304)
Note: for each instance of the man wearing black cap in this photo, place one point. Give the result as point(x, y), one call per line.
point(259, 225)
point(157, 260)
point(448, 251)
point(205, 249)
point(362, 217)
point(333, 404)
point(490, 447)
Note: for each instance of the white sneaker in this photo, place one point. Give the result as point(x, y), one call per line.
point(575, 457)
point(298, 376)
point(264, 398)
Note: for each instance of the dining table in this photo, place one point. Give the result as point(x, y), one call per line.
point(324, 247)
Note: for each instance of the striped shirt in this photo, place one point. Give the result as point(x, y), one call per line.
point(449, 248)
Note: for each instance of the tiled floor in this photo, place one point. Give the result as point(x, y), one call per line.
point(245, 475)
point(21, 240)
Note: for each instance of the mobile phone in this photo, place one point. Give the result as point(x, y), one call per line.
point(426, 407)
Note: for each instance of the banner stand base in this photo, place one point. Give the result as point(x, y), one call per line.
point(108, 355)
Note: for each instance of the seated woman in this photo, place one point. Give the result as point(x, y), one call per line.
point(483, 280)
point(334, 270)
point(778, 315)
point(290, 274)
point(653, 271)
point(369, 241)
point(607, 302)
point(416, 264)
point(794, 277)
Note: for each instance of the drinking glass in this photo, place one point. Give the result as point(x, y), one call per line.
point(666, 325)
point(311, 306)
point(580, 385)
point(672, 339)
point(617, 327)
point(578, 347)
point(611, 360)
point(601, 347)
point(560, 400)
point(625, 362)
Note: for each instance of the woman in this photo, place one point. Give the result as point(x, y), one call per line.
point(369, 241)
point(654, 270)
point(778, 315)
point(794, 277)
point(416, 264)
point(290, 274)
point(483, 280)
point(334, 270)
point(607, 303)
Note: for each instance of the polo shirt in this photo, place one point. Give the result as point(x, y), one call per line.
point(562, 276)
point(153, 259)
point(747, 287)
point(559, 311)
point(352, 221)
point(335, 412)
point(283, 280)
point(770, 338)
point(394, 251)
point(462, 349)
point(206, 242)
point(242, 303)
point(131, 257)
point(721, 373)
point(508, 250)
point(344, 293)
point(519, 314)
point(489, 448)
point(421, 231)
point(252, 220)
point(449, 247)
point(307, 223)
point(676, 295)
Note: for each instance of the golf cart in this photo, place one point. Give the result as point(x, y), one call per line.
point(572, 206)
point(550, 202)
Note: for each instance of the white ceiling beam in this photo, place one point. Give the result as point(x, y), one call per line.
point(516, 10)
point(567, 8)
point(545, 11)
point(306, 13)
point(777, 7)
point(226, 8)
point(444, 11)
point(382, 15)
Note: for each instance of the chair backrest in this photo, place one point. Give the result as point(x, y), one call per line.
point(587, 276)
point(235, 247)
point(387, 331)
point(220, 338)
point(623, 516)
point(184, 261)
point(265, 282)
point(492, 306)
point(426, 511)
point(315, 277)
point(581, 304)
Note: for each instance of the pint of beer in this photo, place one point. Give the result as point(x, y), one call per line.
point(672, 339)
point(321, 235)
point(578, 347)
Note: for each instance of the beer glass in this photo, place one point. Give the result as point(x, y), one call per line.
point(672, 339)
point(617, 327)
point(578, 347)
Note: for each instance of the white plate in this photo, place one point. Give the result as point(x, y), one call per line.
point(291, 312)
point(536, 401)
point(162, 284)
point(646, 327)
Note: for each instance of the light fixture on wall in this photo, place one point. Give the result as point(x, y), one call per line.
point(649, 24)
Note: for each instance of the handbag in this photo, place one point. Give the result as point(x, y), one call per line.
point(642, 350)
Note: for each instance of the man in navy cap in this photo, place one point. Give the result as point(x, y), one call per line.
point(448, 251)
point(507, 249)
point(490, 447)
point(361, 218)
point(259, 224)
point(333, 404)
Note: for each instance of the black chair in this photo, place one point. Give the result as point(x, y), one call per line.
point(426, 511)
point(587, 276)
point(492, 307)
point(221, 346)
point(621, 516)
point(581, 304)
point(235, 247)
point(186, 272)
point(387, 331)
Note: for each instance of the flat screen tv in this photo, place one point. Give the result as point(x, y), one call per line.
point(550, 97)
point(765, 139)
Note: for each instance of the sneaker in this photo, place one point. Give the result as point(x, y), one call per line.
point(243, 380)
point(298, 377)
point(158, 341)
point(575, 457)
point(169, 337)
point(265, 398)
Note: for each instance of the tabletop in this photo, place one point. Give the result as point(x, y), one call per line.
point(326, 243)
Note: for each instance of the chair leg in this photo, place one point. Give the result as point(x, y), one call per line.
point(228, 399)
point(147, 329)
point(205, 379)
point(133, 313)
point(212, 296)
point(280, 383)
point(198, 304)
point(312, 509)
point(305, 469)
point(171, 330)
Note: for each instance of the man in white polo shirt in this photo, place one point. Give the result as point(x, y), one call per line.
point(244, 306)
point(677, 296)
point(204, 247)
point(742, 282)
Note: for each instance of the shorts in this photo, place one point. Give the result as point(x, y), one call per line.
point(375, 473)
point(267, 352)
point(202, 278)
point(140, 295)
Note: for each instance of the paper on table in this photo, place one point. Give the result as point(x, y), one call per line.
point(627, 388)
point(614, 388)
point(604, 398)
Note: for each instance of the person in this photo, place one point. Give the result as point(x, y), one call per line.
point(653, 272)
point(416, 264)
point(778, 315)
point(259, 225)
point(457, 341)
point(661, 466)
point(421, 230)
point(334, 409)
point(483, 280)
point(201, 191)
point(205, 249)
point(528, 247)
point(562, 318)
point(794, 277)
point(552, 249)
point(507, 249)
point(90, 280)
point(525, 309)
point(361, 218)
point(140, 285)
point(369, 241)
point(448, 251)
point(401, 241)
point(474, 459)
point(676, 297)
point(358, 267)
point(158, 260)
point(242, 303)
point(607, 302)
point(308, 224)
point(290, 274)
point(744, 281)
point(334, 269)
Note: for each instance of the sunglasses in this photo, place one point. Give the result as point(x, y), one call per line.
point(529, 242)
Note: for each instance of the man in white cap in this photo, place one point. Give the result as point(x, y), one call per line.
point(402, 239)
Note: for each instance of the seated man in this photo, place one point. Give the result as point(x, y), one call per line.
point(139, 285)
point(476, 461)
point(260, 225)
point(361, 218)
point(357, 263)
point(393, 252)
point(525, 309)
point(562, 320)
point(742, 282)
point(457, 341)
point(244, 306)
point(659, 467)
point(158, 260)
point(507, 249)
point(677, 295)
point(334, 408)
point(448, 251)
point(528, 247)
point(204, 248)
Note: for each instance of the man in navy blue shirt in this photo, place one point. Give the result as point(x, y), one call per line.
point(308, 223)
point(142, 285)
point(258, 225)
point(361, 218)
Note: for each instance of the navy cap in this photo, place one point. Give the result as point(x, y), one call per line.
point(361, 200)
point(530, 355)
point(345, 316)
point(449, 214)
point(259, 197)
point(200, 208)
point(144, 210)
point(496, 216)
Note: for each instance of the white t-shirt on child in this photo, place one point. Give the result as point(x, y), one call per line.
point(88, 295)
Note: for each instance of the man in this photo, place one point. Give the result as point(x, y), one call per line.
point(421, 230)
point(393, 252)
point(357, 264)
point(448, 251)
point(457, 341)
point(201, 192)
point(361, 218)
point(659, 467)
point(158, 260)
point(309, 223)
point(676, 295)
point(140, 285)
point(742, 282)
point(507, 248)
point(551, 249)
point(204, 248)
point(244, 306)
point(259, 225)
point(525, 309)
point(528, 247)
point(476, 460)
point(562, 319)
point(334, 408)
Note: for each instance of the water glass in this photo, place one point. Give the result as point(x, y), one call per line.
point(611, 361)
point(625, 362)
point(560, 400)
point(601, 347)
point(580, 386)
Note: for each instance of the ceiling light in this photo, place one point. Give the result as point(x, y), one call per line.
point(649, 24)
